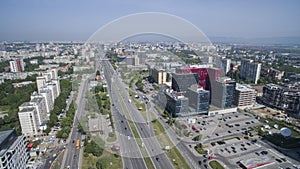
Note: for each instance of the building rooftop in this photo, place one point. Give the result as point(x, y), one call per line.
point(25, 104)
point(36, 99)
point(244, 88)
point(224, 79)
point(273, 86)
point(29, 109)
point(175, 95)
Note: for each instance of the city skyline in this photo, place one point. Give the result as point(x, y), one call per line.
point(77, 20)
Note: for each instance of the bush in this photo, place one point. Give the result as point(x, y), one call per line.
point(93, 148)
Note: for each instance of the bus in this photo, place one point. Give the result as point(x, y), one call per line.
point(77, 144)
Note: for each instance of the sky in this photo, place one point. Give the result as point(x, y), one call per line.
point(57, 20)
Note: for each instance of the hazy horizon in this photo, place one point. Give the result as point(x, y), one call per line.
point(77, 20)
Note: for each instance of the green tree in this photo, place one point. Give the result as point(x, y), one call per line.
point(101, 163)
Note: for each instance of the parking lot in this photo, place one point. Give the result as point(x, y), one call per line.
point(224, 137)
point(219, 126)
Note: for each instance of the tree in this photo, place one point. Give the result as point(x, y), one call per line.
point(101, 163)
point(93, 148)
point(97, 73)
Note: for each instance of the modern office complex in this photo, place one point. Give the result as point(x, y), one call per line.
point(198, 100)
point(13, 150)
point(181, 82)
point(223, 93)
point(177, 104)
point(244, 95)
point(250, 70)
point(200, 71)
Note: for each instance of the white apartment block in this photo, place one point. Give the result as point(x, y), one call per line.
point(48, 98)
point(29, 121)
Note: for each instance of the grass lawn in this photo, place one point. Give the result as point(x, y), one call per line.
point(200, 150)
point(111, 139)
point(216, 165)
point(280, 141)
point(149, 163)
point(173, 154)
point(111, 161)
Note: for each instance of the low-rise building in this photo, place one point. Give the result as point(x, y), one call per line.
point(275, 74)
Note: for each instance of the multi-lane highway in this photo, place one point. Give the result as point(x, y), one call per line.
point(153, 148)
point(72, 154)
point(130, 151)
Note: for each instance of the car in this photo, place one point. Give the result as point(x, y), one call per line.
point(234, 151)
point(229, 131)
point(199, 162)
point(237, 125)
point(264, 152)
point(247, 122)
point(248, 144)
point(278, 160)
point(283, 159)
point(257, 153)
point(221, 150)
point(217, 134)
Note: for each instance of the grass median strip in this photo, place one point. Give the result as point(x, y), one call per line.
point(216, 165)
point(138, 139)
point(173, 154)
